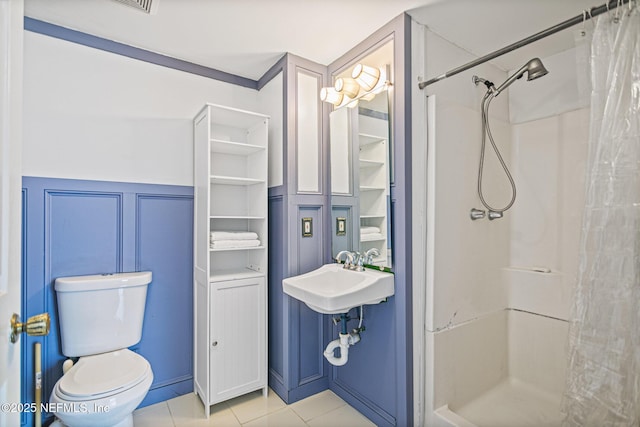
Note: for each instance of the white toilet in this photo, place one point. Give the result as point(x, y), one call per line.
point(100, 316)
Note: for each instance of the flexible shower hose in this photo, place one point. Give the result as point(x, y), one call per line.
point(486, 131)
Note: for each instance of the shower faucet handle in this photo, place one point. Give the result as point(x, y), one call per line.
point(476, 214)
point(494, 215)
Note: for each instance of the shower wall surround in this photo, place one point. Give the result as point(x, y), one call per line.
point(480, 279)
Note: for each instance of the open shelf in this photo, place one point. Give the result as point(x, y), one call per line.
point(234, 274)
point(371, 188)
point(370, 163)
point(234, 180)
point(235, 148)
point(236, 217)
point(367, 139)
point(253, 248)
point(377, 239)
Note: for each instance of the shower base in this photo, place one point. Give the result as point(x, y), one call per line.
point(512, 403)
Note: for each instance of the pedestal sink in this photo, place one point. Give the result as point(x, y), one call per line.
point(332, 289)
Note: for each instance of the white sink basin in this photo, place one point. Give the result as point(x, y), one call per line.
point(332, 289)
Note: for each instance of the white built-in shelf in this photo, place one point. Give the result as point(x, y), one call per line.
point(253, 248)
point(237, 148)
point(370, 163)
point(234, 180)
point(381, 261)
point(378, 239)
point(236, 217)
point(372, 216)
point(370, 188)
point(234, 274)
point(366, 139)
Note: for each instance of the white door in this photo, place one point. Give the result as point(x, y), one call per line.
point(11, 29)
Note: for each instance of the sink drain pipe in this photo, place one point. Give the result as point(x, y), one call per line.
point(343, 343)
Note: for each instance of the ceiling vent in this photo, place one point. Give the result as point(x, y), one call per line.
point(148, 6)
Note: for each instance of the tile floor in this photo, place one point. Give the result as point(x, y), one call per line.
point(253, 410)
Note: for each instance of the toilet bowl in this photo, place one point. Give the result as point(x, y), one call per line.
point(100, 316)
point(102, 390)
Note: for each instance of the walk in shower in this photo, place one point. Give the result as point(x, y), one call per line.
point(532, 319)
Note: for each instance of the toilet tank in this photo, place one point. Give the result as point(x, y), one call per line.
point(101, 313)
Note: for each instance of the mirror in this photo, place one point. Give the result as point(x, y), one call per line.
point(360, 172)
point(361, 161)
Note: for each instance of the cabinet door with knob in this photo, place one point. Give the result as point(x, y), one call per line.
point(238, 335)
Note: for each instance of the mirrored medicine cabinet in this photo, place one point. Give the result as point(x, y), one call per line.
point(360, 164)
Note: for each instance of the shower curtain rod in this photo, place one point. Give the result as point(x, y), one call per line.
point(587, 14)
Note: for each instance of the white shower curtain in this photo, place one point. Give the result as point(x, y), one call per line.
point(603, 375)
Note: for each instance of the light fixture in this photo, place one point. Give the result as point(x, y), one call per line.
point(365, 84)
point(329, 94)
point(350, 87)
point(367, 77)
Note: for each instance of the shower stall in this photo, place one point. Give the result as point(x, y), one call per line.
point(497, 308)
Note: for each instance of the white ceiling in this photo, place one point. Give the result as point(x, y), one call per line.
point(246, 37)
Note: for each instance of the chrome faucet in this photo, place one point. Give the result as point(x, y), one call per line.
point(348, 262)
point(359, 262)
point(371, 254)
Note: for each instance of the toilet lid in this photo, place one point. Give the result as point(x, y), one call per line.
point(103, 374)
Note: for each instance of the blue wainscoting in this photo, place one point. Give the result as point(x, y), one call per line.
point(297, 368)
point(78, 227)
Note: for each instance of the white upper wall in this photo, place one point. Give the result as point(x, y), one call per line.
point(565, 88)
point(442, 56)
point(272, 104)
point(91, 114)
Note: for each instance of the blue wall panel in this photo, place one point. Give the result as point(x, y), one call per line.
point(309, 325)
point(73, 227)
point(164, 229)
point(277, 324)
point(83, 232)
point(372, 363)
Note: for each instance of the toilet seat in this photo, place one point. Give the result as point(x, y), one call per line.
point(103, 375)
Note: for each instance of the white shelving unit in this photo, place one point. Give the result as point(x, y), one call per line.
point(373, 186)
point(230, 298)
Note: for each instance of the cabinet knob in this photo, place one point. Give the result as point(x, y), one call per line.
point(215, 343)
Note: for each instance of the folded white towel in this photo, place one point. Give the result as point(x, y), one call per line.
point(369, 230)
point(370, 236)
point(233, 235)
point(233, 244)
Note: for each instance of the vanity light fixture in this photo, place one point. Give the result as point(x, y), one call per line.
point(367, 77)
point(348, 86)
point(365, 83)
point(329, 94)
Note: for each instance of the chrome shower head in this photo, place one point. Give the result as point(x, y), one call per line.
point(533, 68)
